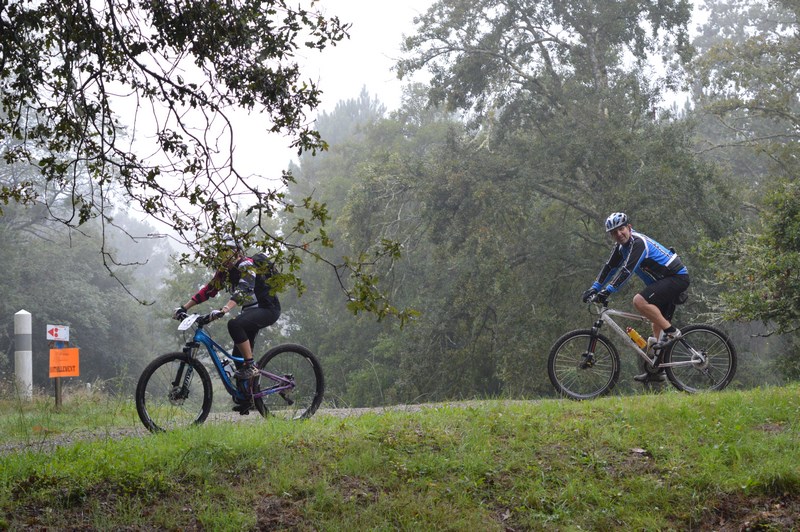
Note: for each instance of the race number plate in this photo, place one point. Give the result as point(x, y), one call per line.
point(188, 321)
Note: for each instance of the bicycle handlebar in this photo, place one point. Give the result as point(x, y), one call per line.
point(199, 321)
point(204, 319)
point(593, 300)
point(596, 308)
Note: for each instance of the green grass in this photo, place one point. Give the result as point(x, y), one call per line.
point(651, 462)
point(38, 420)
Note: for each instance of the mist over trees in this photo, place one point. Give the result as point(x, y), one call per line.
point(474, 211)
point(59, 277)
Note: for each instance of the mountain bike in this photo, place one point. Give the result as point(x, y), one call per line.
point(175, 389)
point(584, 364)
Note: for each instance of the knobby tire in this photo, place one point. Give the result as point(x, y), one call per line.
point(718, 369)
point(164, 398)
point(301, 364)
point(569, 354)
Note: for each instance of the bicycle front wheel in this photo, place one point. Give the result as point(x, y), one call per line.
point(174, 391)
point(708, 356)
point(581, 366)
point(298, 365)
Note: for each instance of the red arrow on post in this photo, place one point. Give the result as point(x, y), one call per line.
point(57, 332)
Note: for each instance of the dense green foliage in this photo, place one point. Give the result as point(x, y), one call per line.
point(473, 213)
point(500, 215)
point(671, 462)
point(761, 270)
point(749, 86)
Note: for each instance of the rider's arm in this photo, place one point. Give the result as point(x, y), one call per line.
point(609, 268)
point(244, 291)
point(209, 290)
point(638, 247)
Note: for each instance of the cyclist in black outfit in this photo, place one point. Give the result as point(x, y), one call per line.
point(259, 308)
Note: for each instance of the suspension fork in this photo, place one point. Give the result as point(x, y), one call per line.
point(589, 354)
point(190, 349)
point(187, 375)
point(594, 334)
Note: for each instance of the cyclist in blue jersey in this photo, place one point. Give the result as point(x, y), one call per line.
point(665, 277)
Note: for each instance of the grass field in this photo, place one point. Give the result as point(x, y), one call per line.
point(725, 461)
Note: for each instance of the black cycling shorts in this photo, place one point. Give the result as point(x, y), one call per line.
point(246, 325)
point(664, 292)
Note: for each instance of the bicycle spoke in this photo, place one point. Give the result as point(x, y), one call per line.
point(296, 392)
point(576, 373)
point(707, 358)
point(173, 393)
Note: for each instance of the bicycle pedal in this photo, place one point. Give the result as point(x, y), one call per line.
point(286, 397)
point(648, 377)
point(243, 409)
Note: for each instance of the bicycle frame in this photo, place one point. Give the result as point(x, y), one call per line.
point(212, 347)
point(605, 316)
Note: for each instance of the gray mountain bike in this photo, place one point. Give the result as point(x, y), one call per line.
point(584, 364)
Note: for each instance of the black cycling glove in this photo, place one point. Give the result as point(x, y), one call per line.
point(602, 296)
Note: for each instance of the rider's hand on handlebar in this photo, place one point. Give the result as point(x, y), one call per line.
point(588, 294)
point(601, 296)
point(179, 313)
point(216, 314)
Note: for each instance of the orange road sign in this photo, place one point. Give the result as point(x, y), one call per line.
point(64, 362)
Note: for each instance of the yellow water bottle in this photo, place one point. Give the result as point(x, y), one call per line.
point(636, 337)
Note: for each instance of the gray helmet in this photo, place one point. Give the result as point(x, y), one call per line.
point(616, 219)
point(229, 242)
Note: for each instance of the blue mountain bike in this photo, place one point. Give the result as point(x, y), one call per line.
point(175, 390)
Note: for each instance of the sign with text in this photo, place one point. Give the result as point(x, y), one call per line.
point(58, 333)
point(64, 362)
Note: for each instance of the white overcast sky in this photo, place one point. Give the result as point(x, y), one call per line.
point(364, 60)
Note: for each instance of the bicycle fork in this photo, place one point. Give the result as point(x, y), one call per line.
point(180, 390)
point(183, 377)
point(588, 356)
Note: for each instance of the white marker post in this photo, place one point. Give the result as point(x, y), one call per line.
point(23, 354)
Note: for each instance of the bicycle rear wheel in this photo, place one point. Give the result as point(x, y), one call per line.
point(298, 365)
point(712, 357)
point(174, 391)
point(579, 374)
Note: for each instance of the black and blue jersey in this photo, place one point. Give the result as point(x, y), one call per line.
point(643, 256)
